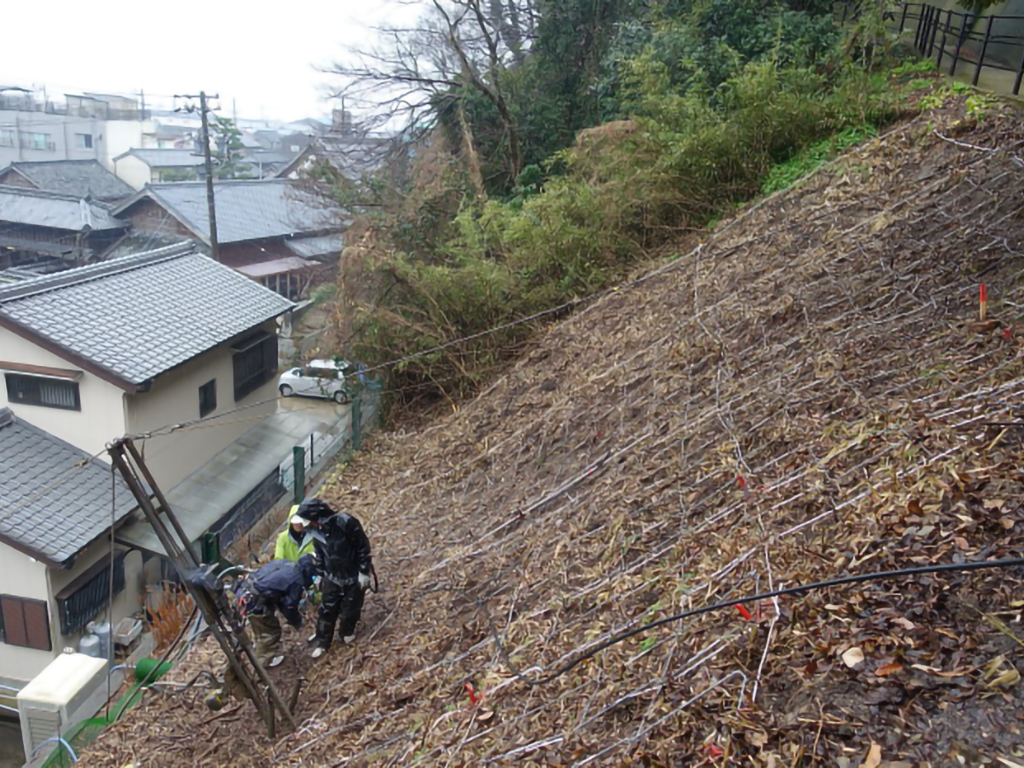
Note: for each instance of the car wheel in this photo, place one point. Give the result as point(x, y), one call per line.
point(340, 397)
point(285, 390)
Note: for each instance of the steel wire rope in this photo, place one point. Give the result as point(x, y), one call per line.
point(795, 590)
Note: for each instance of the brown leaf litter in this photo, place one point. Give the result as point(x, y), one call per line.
point(803, 395)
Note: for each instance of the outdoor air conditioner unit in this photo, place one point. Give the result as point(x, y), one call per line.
point(72, 688)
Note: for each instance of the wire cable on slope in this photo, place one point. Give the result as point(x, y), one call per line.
point(797, 590)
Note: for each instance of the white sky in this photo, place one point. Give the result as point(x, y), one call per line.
point(258, 52)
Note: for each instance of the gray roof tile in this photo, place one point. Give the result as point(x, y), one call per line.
point(48, 505)
point(166, 158)
point(142, 315)
point(246, 210)
point(81, 178)
point(22, 205)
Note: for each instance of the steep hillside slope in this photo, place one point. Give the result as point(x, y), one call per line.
point(801, 396)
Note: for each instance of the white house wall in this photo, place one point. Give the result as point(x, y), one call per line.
point(121, 135)
point(101, 418)
point(132, 171)
point(22, 576)
point(174, 398)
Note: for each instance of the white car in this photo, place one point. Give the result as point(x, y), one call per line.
point(319, 378)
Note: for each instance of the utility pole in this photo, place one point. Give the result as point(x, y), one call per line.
point(204, 111)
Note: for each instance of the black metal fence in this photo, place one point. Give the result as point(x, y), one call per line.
point(964, 38)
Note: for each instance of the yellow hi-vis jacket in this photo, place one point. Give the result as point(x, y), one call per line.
point(288, 549)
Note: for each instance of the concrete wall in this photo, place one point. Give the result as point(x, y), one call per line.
point(174, 398)
point(132, 171)
point(109, 137)
point(101, 418)
point(121, 135)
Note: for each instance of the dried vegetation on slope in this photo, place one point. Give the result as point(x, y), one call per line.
point(803, 395)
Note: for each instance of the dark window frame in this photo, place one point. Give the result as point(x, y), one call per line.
point(207, 398)
point(19, 383)
point(254, 363)
point(83, 141)
point(27, 634)
point(81, 600)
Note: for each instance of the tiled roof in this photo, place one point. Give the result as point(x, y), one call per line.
point(139, 316)
point(311, 247)
point(246, 210)
point(22, 205)
point(165, 158)
point(51, 504)
point(80, 178)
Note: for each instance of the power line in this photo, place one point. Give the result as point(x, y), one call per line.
point(797, 590)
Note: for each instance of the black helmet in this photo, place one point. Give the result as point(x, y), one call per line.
point(314, 510)
point(307, 565)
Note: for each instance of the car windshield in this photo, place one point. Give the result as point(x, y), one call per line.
point(321, 373)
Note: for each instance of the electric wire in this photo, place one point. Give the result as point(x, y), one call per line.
point(732, 602)
point(163, 660)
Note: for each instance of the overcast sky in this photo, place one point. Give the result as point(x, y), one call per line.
point(260, 53)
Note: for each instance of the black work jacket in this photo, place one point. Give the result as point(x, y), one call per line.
point(342, 549)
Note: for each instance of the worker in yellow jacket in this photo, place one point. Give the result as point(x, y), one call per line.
point(295, 541)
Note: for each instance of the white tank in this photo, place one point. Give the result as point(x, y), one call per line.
point(90, 646)
point(103, 633)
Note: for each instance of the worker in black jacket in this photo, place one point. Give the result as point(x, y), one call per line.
point(278, 586)
point(343, 557)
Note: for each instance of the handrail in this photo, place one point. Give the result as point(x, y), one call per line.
point(964, 37)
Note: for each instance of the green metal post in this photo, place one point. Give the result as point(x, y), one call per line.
point(299, 465)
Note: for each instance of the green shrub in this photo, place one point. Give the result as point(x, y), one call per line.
point(785, 174)
point(683, 159)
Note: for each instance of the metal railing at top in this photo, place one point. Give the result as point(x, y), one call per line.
point(964, 37)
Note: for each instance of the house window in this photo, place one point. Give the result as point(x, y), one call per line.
point(83, 140)
point(255, 363)
point(6, 138)
point(38, 141)
point(25, 623)
point(80, 601)
point(51, 393)
point(208, 398)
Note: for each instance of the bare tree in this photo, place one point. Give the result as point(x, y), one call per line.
point(411, 74)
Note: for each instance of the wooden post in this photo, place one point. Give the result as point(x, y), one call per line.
point(984, 49)
point(294, 702)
